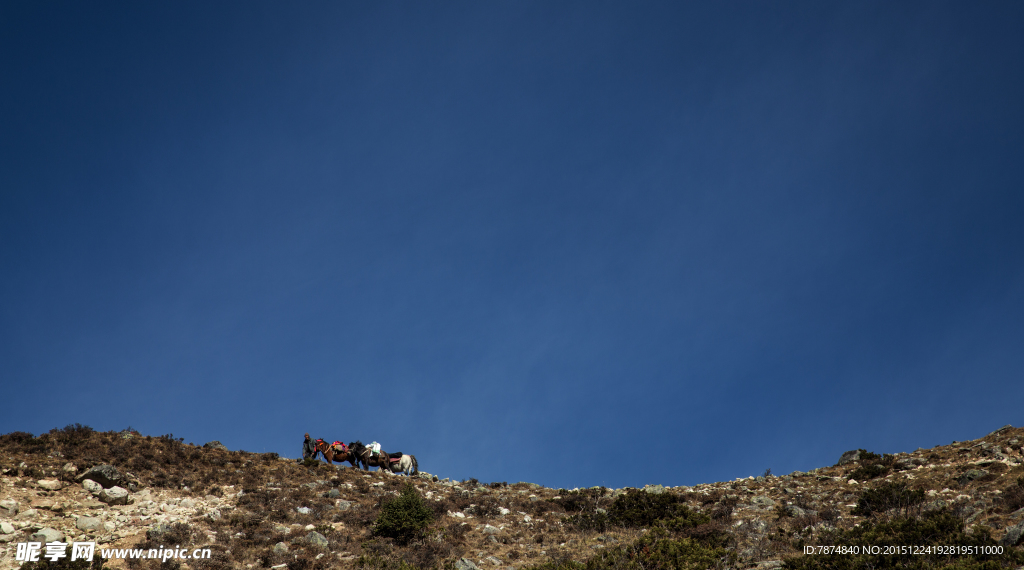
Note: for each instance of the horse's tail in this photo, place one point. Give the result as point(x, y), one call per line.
point(415, 465)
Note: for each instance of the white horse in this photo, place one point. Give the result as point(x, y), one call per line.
point(407, 464)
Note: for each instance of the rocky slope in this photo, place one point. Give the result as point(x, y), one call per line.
point(259, 511)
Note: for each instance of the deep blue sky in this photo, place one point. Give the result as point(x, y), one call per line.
point(678, 243)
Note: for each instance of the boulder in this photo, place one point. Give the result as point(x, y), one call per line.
point(795, 511)
point(316, 539)
point(971, 475)
point(49, 484)
point(89, 524)
point(763, 501)
point(6, 528)
point(1001, 430)
point(280, 548)
point(92, 486)
point(106, 475)
point(343, 505)
point(215, 445)
point(47, 535)
point(114, 496)
point(8, 507)
point(465, 564)
point(29, 514)
point(849, 457)
point(1012, 535)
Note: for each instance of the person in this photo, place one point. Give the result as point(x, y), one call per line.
point(308, 449)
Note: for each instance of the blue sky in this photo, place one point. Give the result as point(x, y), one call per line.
point(571, 243)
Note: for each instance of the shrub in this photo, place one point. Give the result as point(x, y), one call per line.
point(888, 497)
point(872, 466)
point(637, 509)
point(403, 518)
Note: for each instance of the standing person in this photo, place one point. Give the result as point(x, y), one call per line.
point(308, 449)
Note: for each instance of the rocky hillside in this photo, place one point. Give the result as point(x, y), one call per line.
point(125, 490)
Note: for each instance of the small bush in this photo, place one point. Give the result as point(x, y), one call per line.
point(872, 466)
point(403, 518)
point(1012, 497)
point(895, 497)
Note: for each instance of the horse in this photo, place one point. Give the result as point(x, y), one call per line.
point(367, 458)
point(406, 464)
point(333, 454)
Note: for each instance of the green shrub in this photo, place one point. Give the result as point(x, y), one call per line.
point(638, 509)
point(403, 518)
point(872, 466)
point(888, 497)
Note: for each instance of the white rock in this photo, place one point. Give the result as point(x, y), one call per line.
point(48, 535)
point(6, 528)
point(109, 526)
point(114, 496)
point(92, 486)
point(50, 484)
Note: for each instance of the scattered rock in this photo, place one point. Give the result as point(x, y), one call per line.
point(280, 548)
point(493, 560)
point(490, 529)
point(654, 489)
point(332, 494)
point(92, 486)
point(28, 514)
point(343, 505)
point(92, 504)
point(8, 507)
point(215, 445)
point(42, 504)
point(47, 535)
point(465, 564)
point(302, 510)
point(89, 524)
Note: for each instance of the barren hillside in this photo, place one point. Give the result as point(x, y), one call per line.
point(960, 505)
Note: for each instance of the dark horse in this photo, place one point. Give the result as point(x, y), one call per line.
point(368, 459)
point(335, 454)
